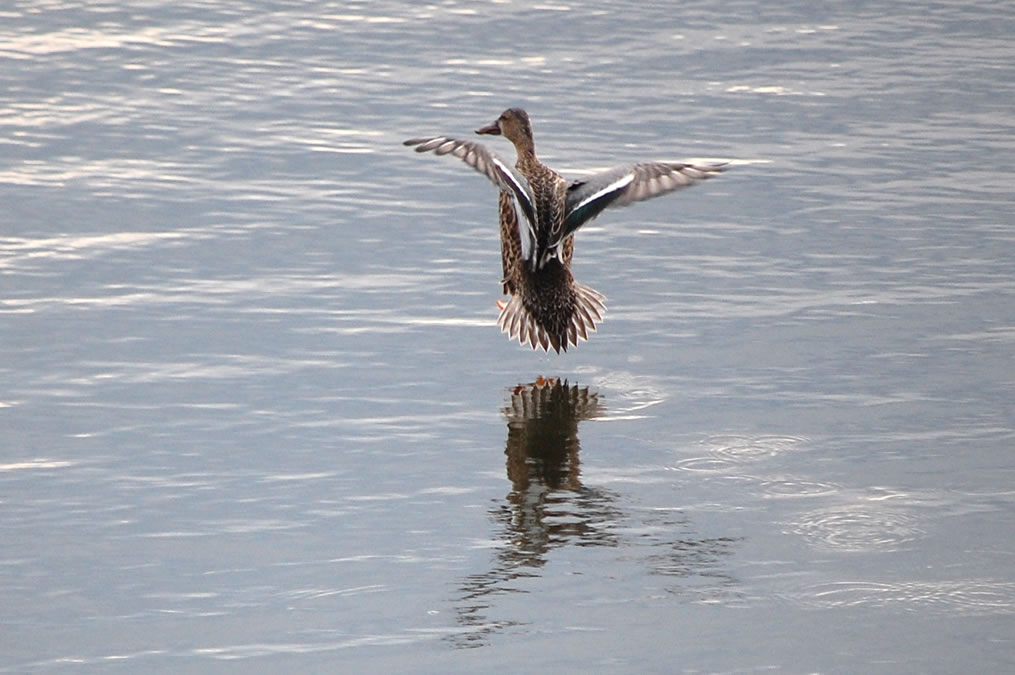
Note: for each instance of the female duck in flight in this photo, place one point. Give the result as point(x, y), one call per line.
point(548, 308)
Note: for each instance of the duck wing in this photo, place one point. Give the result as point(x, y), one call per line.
point(586, 198)
point(485, 162)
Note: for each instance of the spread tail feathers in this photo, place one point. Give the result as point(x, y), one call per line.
point(520, 324)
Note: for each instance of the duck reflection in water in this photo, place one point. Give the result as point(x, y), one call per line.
point(549, 502)
point(549, 507)
point(542, 442)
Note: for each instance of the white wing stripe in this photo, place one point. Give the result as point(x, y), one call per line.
point(526, 230)
point(525, 233)
point(510, 175)
point(618, 184)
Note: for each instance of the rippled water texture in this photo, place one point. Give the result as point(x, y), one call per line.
point(257, 415)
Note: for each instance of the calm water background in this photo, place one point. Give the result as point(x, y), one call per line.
point(256, 415)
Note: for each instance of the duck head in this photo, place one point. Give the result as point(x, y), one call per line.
point(513, 124)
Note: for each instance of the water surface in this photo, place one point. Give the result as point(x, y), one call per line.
point(257, 414)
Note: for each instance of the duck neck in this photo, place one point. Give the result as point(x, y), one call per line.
point(526, 150)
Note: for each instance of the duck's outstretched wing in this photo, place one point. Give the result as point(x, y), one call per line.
point(487, 163)
point(586, 198)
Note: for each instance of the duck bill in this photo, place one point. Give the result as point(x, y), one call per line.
point(489, 130)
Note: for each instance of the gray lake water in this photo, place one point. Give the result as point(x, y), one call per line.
point(257, 416)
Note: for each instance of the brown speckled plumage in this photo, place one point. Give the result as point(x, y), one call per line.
point(539, 214)
point(548, 308)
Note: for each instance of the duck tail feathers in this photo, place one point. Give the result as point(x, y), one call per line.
point(519, 323)
point(589, 310)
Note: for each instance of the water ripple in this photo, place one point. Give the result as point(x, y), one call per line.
point(857, 528)
point(972, 597)
point(796, 487)
point(729, 452)
point(740, 449)
point(714, 465)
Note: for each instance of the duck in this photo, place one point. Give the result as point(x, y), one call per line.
point(539, 212)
